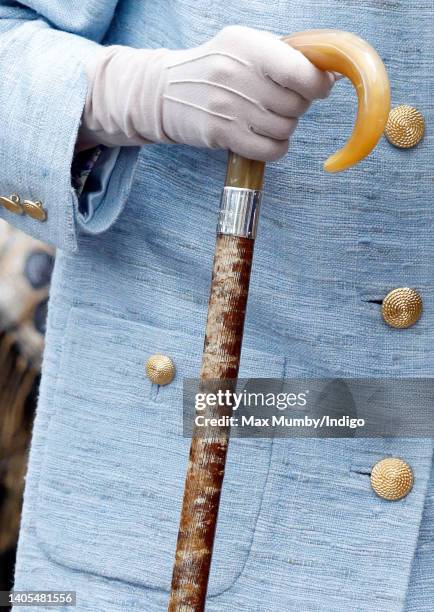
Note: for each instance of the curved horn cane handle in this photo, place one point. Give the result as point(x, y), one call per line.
point(353, 57)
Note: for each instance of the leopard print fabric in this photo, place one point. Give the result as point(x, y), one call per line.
point(25, 271)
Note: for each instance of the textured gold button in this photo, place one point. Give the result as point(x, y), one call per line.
point(160, 369)
point(392, 478)
point(402, 307)
point(35, 210)
point(405, 126)
point(12, 204)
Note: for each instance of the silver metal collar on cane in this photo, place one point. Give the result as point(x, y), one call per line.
point(239, 212)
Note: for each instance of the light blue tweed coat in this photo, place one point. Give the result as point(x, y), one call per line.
point(300, 528)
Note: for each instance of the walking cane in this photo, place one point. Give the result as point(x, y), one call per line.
point(331, 50)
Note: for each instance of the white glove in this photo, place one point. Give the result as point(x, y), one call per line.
point(242, 90)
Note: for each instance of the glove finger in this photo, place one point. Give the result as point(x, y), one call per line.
point(283, 101)
point(255, 146)
point(271, 125)
point(291, 69)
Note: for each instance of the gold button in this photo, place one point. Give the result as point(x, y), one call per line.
point(392, 478)
point(35, 210)
point(12, 204)
point(402, 307)
point(160, 369)
point(405, 126)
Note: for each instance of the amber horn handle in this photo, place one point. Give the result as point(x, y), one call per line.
point(329, 50)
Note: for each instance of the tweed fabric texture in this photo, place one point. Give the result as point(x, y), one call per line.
point(300, 527)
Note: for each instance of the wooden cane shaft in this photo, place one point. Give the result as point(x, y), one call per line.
point(221, 359)
point(227, 307)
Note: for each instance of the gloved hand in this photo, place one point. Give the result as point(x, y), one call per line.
point(243, 90)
